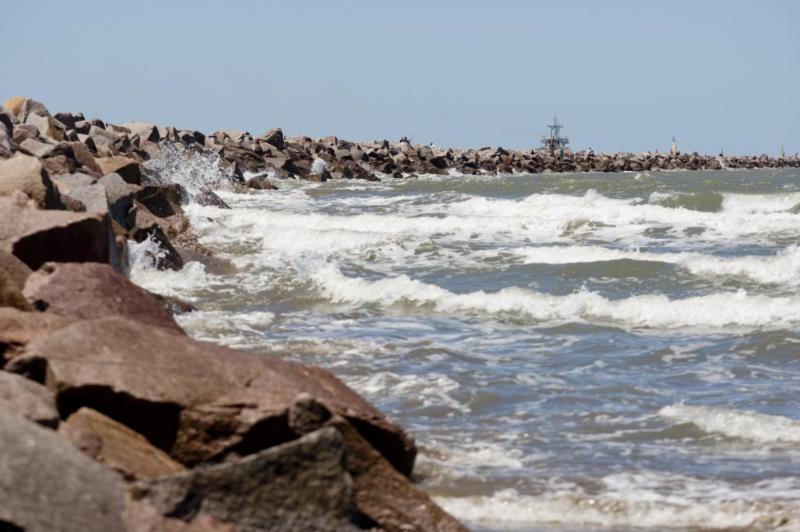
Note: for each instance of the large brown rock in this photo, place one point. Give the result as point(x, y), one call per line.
point(38, 236)
point(93, 290)
point(298, 486)
point(17, 328)
point(47, 484)
point(16, 271)
point(26, 173)
point(26, 398)
point(383, 495)
point(198, 401)
point(10, 294)
point(126, 167)
point(116, 446)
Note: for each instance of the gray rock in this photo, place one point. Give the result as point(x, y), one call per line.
point(46, 484)
point(119, 194)
point(37, 148)
point(66, 182)
point(93, 197)
point(297, 486)
point(26, 398)
point(26, 174)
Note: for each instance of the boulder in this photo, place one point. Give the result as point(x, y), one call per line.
point(38, 236)
point(120, 196)
point(116, 446)
point(47, 484)
point(274, 136)
point(26, 173)
point(17, 328)
point(145, 131)
point(195, 400)
point(92, 290)
point(66, 182)
point(209, 198)
point(127, 168)
point(47, 126)
point(297, 486)
point(37, 148)
point(85, 159)
point(69, 119)
point(16, 271)
point(21, 107)
point(161, 200)
point(93, 197)
point(260, 182)
point(26, 398)
point(10, 294)
point(158, 250)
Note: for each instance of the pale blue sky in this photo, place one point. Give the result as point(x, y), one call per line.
point(621, 74)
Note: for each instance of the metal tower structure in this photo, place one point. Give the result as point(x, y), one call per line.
point(555, 141)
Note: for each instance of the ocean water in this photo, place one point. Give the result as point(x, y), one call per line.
point(570, 351)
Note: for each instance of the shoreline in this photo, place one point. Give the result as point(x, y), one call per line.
point(111, 413)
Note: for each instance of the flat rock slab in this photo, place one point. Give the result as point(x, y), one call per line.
point(38, 236)
point(47, 484)
point(26, 173)
point(195, 400)
point(298, 486)
point(17, 328)
point(88, 290)
point(26, 398)
point(116, 446)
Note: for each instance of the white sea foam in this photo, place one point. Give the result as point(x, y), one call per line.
point(781, 268)
point(646, 311)
point(647, 500)
point(430, 390)
point(745, 425)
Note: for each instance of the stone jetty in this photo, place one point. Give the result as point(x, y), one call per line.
point(111, 417)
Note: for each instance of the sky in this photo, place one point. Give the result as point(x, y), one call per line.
point(622, 75)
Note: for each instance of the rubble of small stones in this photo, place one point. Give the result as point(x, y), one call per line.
point(111, 417)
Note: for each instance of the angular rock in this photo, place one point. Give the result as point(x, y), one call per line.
point(37, 148)
point(275, 137)
point(25, 173)
point(47, 484)
point(85, 159)
point(162, 200)
point(38, 236)
point(10, 294)
point(297, 486)
point(260, 182)
point(195, 400)
point(92, 290)
point(93, 197)
point(209, 198)
point(66, 182)
point(158, 250)
point(69, 119)
point(120, 196)
point(26, 398)
point(17, 272)
point(145, 131)
point(21, 107)
point(127, 168)
point(17, 328)
point(47, 126)
point(116, 446)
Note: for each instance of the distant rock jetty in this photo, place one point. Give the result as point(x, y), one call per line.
point(111, 417)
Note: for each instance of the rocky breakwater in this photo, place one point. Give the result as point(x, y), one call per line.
point(111, 418)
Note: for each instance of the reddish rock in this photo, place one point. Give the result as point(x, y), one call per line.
point(26, 173)
point(26, 398)
point(116, 446)
point(38, 236)
point(198, 401)
point(298, 486)
point(16, 271)
point(48, 484)
point(92, 290)
point(126, 167)
point(17, 328)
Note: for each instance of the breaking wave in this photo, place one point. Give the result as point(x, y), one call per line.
point(751, 426)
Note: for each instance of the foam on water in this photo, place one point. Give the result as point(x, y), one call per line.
point(639, 500)
point(649, 311)
point(745, 425)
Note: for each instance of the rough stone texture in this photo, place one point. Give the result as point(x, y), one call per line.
point(260, 182)
point(208, 197)
point(116, 446)
point(198, 401)
point(93, 197)
point(384, 495)
point(17, 328)
point(10, 294)
point(93, 290)
point(297, 486)
point(275, 137)
point(145, 131)
point(16, 271)
point(26, 173)
point(127, 168)
point(161, 200)
point(163, 256)
point(66, 182)
point(47, 484)
point(119, 195)
point(38, 236)
point(26, 398)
